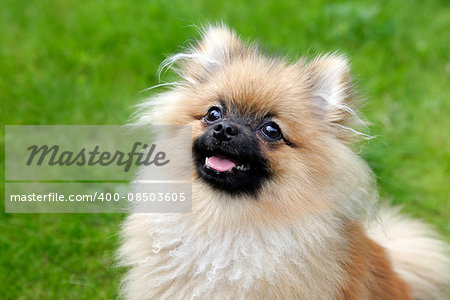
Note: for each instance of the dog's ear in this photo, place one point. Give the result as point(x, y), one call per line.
point(331, 87)
point(218, 46)
point(333, 93)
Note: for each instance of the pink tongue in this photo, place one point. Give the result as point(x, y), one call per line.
point(220, 164)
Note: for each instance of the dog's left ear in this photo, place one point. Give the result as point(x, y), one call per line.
point(331, 87)
point(217, 47)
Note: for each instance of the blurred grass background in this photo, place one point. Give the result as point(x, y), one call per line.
point(68, 62)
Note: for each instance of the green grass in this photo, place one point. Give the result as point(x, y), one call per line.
point(64, 62)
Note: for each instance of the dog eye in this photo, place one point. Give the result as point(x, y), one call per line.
point(271, 131)
point(213, 115)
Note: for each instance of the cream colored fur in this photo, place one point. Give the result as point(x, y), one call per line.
point(288, 243)
point(416, 252)
point(175, 257)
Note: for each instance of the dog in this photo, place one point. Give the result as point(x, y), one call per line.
point(282, 205)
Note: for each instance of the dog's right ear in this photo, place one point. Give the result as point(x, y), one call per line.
point(217, 47)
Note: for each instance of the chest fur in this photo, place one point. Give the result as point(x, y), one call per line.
point(176, 259)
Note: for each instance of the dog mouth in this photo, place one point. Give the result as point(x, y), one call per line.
point(234, 168)
point(223, 164)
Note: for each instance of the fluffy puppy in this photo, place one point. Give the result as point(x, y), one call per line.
point(280, 199)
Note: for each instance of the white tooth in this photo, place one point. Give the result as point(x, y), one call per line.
point(206, 161)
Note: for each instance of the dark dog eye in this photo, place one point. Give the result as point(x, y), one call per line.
point(213, 115)
point(271, 131)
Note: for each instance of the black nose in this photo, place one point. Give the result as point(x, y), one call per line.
point(225, 131)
